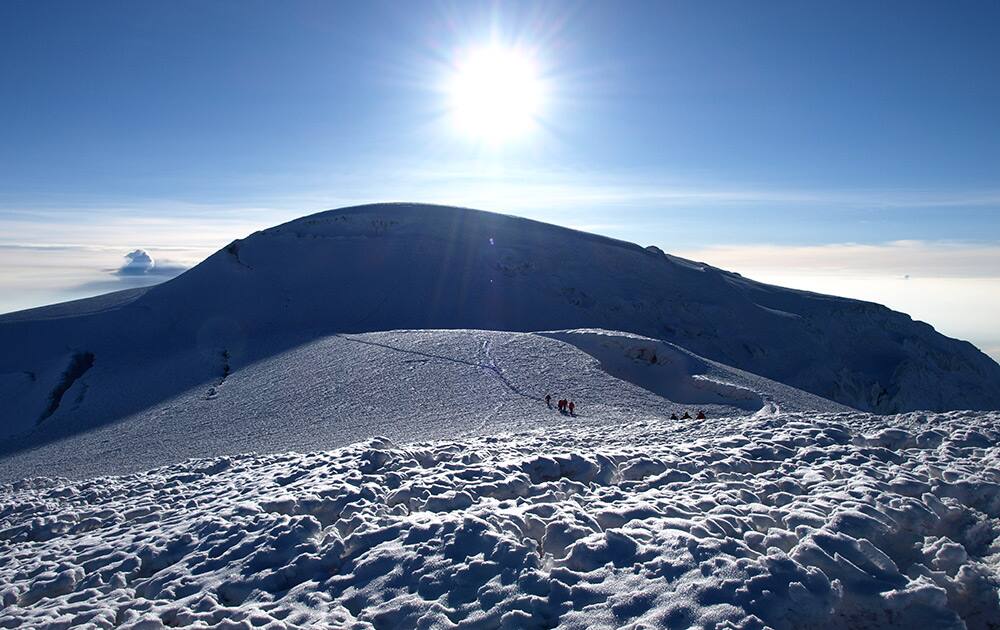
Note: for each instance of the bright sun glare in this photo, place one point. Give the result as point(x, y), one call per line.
point(495, 95)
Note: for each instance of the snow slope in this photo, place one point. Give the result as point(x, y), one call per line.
point(783, 521)
point(403, 266)
point(665, 369)
point(405, 385)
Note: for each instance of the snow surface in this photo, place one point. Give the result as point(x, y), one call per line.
point(405, 266)
point(784, 521)
point(406, 385)
point(454, 496)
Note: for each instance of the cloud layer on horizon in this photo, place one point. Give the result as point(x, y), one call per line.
point(36, 275)
point(927, 259)
point(955, 287)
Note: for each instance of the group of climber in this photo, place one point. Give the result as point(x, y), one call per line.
point(687, 416)
point(569, 407)
point(563, 405)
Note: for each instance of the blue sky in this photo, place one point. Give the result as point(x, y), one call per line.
point(745, 132)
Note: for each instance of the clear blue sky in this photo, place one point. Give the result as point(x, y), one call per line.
point(686, 124)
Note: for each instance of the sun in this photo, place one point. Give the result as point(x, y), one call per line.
point(495, 95)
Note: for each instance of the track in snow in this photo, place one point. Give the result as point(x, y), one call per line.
point(405, 385)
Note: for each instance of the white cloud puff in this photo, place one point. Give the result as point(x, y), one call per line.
point(137, 262)
point(140, 262)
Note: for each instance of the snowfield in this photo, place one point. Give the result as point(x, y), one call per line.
point(404, 385)
point(785, 521)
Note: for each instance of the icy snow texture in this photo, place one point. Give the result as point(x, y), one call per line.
point(787, 521)
point(404, 266)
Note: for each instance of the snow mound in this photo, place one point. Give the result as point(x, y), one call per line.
point(662, 368)
point(788, 521)
point(406, 266)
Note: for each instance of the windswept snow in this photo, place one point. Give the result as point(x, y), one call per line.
point(405, 385)
point(783, 521)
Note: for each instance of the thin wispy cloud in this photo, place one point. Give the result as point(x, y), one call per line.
point(538, 189)
point(929, 259)
point(488, 186)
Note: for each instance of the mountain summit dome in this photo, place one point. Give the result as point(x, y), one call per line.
point(410, 266)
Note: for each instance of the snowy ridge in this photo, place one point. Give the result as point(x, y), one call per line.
point(787, 521)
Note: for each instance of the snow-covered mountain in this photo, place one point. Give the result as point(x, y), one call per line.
point(367, 406)
point(402, 266)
